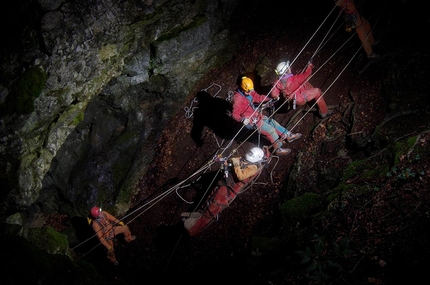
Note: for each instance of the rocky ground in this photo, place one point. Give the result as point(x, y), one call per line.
point(387, 230)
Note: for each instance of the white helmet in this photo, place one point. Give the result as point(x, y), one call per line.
point(254, 155)
point(282, 68)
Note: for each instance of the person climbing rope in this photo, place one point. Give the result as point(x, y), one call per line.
point(297, 89)
point(246, 112)
point(107, 227)
point(353, 20)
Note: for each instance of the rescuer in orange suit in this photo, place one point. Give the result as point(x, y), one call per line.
point(353, 19)
point(107, 227)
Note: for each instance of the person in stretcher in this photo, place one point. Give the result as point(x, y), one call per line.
point(243, 172)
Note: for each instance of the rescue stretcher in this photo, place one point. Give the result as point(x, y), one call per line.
point(220, 198)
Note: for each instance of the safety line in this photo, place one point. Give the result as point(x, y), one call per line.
point(313, 74)
point(334, 81)
point(315, 34)
point(288, 99)
point(190, 110)
point(207, 190)
point(323, 42)
point(154, 201)
point(167, 192)
point(211, 162)
point(317, 50)
point(277, 81)
point(349, 62)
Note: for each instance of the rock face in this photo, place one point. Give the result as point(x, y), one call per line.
point(86, 88)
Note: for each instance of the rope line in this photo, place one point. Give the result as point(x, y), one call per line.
point(189, 112)
point(322, 44)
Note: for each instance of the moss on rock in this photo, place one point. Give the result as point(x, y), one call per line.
point(296, 210)
point(48, 239)
point(26, 89)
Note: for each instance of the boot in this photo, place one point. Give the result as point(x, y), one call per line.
point(290, 137)
point(282, 151)
point(329, 112)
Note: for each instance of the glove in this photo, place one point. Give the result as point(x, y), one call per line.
point(245, 121)
point(121, 223)
point(235, 161)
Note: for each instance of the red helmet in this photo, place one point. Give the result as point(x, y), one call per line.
point(95, 211)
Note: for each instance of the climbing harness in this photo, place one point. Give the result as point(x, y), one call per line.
point(230, 96)
point(350, 21)
point(350, 18)
point(103, 224)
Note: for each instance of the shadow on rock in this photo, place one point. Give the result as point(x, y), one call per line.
point(214, 113)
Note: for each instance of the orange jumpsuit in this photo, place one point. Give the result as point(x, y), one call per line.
point(106, 227)
point(362, 26)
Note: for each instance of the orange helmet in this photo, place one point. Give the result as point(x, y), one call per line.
point(247, 84)
point(95, 212)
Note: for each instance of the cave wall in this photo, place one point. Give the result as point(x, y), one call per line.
point(86, 88)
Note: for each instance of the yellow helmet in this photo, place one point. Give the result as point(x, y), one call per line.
point(247, 84)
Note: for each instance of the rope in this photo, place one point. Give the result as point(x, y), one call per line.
point(166, 193)
point(322, 44)
point(85, 241)
point(173, 252)
point(189, 112)
point(230, 94)
point(153, 201)
point(210, 86)
point(207, 190)
point(314, 35)
point(277, 81)
point(337, 77)
point(314, 73)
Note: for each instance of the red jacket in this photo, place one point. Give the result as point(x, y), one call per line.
point(290, 84)
point(243, 107)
